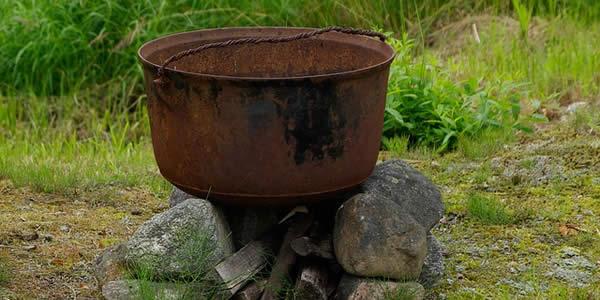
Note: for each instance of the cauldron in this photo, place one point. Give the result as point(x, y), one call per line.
point(266, 115)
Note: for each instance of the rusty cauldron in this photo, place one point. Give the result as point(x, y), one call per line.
point(266, 116)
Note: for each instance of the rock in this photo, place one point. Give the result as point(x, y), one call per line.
point(28, 236)
point(355, 288)
point(189, 238)
point(64, 228)
point(433, 266)
point(110, 265)
point(249, 223)
point(178, 196)
point(47, 237)
point(373, 236)
point(137, 289)
point(574, 107)
point(573, 268)
point(407, 187)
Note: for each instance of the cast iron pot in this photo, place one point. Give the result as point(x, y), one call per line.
point(266, 116)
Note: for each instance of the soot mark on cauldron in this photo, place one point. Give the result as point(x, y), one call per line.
point(258, 108)
point(210, 93)
point(183, 85)
point(314, 119)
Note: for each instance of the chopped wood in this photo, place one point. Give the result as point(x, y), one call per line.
point(312, 282)
point(235, 270)
point(252, 291)
point(286, 256)
point(305, 246)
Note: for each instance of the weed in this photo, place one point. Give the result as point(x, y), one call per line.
point(484, 144)
point(396, 144)
point(401, 292)
point(483, 173)
point(426, 106)
point(488, 210)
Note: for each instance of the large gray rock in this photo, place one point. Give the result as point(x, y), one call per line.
point(433, 266)
point(110, 265)
point(355, 288)
point(190, 238)
point(178, 196)
point(407, 187)
point(374, 236)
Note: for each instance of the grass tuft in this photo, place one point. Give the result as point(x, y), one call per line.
point(4, 272)
point(488, 211)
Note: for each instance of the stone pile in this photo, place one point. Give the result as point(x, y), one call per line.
point(374, 243)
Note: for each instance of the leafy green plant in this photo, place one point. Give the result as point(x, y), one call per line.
point(488, 210)
point(429, 108)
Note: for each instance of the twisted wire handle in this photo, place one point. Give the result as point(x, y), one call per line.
point(259, 40)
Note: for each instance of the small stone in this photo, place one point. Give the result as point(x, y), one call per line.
point(356, 288)
point(126, 221)
point(64, 228)
point(573, 107)
point(496, 163)
point(512, 270)
point(569, 252)
point(178, 196)
point(47, 237)
point(29, 236)
point(459, 268)
point(587, 212)
point(79, 212)
point(186, 239)
point(110, 265)
point(532, 250)
point(375, 237)
point(460, 276)
point(30, 247)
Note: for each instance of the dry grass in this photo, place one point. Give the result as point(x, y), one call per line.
point(59, 267)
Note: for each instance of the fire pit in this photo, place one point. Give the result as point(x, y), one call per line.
point(266, 116)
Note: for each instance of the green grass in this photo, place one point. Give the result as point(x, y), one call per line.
point(65, 144)
point(488, 211)
point(484, 143)
point(4, 272)
point(559, 58)
point(58, 47)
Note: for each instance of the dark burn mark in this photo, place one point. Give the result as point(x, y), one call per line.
point(210, 93)
point(259, 110)
point(183, 85)
point(313, 119)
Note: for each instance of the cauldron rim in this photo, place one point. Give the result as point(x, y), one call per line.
point(334, 75)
